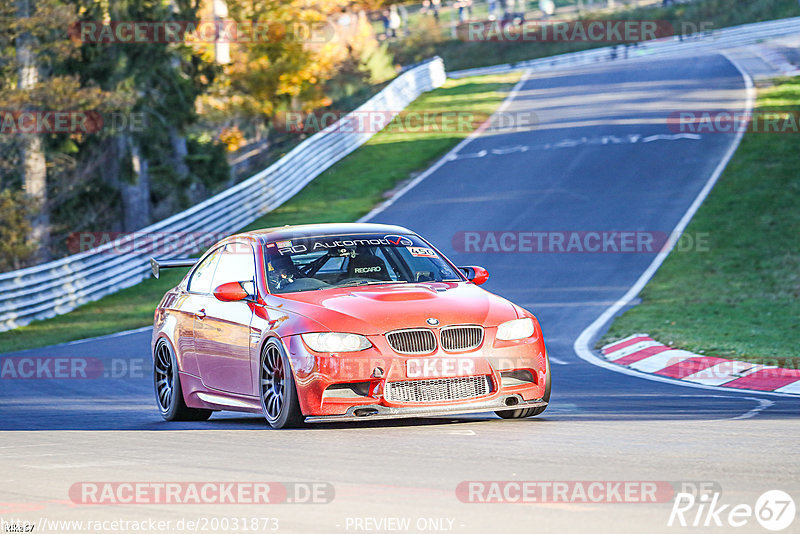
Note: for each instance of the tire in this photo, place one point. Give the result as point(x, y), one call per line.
point(168, 390)
point(277, 390)
point(530, 412)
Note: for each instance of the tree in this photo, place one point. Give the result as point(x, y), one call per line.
point(32, 32)
point(289, 67)
point(15, 229)
point(34, 170)
point(162, 81)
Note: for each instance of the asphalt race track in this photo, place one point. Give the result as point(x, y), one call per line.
point(601, 158)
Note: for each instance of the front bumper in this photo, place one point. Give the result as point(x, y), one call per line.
point(376, 411)
point(314, 373)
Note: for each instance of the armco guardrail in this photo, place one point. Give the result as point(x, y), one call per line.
point(714, 41)
point(57, 287)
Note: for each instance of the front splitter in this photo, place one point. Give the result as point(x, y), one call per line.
point(376, 412)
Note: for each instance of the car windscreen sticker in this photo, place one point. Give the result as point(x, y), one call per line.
point(422, 252)
point(344, 245)
point(399, 240)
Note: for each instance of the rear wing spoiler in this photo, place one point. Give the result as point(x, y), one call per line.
point(157, 265)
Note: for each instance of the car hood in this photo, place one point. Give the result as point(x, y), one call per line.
point(382, 308)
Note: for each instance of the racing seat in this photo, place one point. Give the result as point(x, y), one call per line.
point(368, 266)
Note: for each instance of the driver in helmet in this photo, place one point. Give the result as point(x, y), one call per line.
point(281, 271)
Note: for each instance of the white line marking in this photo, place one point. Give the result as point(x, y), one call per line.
point(582, 343)
point(557, 361)
point(453, 153)
point(571, 143)
point(763, 404)
point(659, 137)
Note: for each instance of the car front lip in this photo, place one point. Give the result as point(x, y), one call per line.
point(374, 412)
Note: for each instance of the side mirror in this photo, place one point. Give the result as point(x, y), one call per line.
point(476, 275)
point(230, 291)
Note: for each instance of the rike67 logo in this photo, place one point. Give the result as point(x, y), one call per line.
point(774, 510)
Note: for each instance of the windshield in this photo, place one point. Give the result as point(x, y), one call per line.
point(338, 261)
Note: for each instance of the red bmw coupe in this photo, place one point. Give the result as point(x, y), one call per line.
point(341, 322)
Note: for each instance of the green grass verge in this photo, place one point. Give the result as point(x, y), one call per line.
point(741, 298)
point(345, 192)
point(458, 54)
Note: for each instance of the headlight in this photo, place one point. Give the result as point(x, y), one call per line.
point(516, 329)
point(336, 342)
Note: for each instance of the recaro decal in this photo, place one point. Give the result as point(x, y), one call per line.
point(360, 270)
